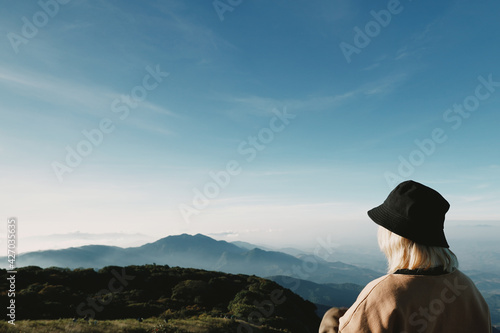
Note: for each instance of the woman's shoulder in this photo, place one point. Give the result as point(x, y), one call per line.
point(377, 287)
point(394, 284)
point(374, 299)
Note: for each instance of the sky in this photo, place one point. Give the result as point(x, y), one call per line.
point(273, 122)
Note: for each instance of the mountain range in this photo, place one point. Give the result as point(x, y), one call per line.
point(202, 252)
point(321, 282)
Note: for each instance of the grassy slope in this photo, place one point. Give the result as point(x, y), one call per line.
point(194, 325)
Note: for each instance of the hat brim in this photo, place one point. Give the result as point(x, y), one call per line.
point(401, 226)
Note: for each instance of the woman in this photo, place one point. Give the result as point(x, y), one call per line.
point(423, 291)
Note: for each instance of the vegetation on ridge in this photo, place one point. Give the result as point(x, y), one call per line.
point(169, 294)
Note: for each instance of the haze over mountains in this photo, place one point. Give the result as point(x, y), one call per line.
point(203, 252)
point(325, 283)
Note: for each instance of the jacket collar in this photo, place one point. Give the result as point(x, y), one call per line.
point(438, 270)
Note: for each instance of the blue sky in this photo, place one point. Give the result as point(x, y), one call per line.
point(304, 138)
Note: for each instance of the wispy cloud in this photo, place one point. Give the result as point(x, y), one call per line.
point(482, 186)
point(69, 97)
point(76, 239)
point(74, 97)
point(420, 42)
point(151, 127)
point(373, 66)
point(263, 106)
point(387, 84)
point(160, 109)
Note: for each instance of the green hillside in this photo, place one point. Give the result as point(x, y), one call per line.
point(168, 294)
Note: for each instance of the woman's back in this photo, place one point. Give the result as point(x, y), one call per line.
point(418, 303)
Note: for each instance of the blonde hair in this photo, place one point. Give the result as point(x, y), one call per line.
point(403, 253)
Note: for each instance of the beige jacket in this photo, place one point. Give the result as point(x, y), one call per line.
point(418, 303)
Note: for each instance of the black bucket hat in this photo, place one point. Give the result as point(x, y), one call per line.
point(414, 211)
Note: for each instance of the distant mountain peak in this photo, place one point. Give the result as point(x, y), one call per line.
point(196, 251)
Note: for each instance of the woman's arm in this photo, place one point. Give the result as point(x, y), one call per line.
point(330, 322)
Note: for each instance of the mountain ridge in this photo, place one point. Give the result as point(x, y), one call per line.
point(202, 252)
point(170, 294)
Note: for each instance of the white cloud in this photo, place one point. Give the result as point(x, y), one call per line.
point(76, 239)
point(70, 97)
point(56, 91)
